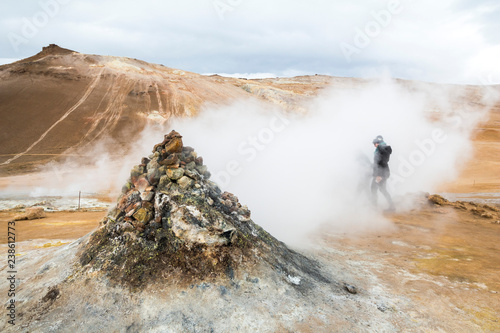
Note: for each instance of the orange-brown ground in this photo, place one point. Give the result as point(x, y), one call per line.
point(56, 226)
point(445, 259)
point(482, 172)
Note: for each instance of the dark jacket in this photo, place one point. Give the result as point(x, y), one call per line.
point(381, 161)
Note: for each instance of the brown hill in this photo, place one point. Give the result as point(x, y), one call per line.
point(59, 100)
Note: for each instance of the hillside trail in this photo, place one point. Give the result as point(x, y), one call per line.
point(86, 94)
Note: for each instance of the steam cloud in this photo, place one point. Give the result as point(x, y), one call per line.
point(299, 172)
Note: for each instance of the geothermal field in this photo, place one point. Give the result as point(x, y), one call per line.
point(136, 197)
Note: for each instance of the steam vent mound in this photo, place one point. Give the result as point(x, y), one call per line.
point(172, 224)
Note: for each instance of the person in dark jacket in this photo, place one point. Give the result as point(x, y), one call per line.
point(381, 171)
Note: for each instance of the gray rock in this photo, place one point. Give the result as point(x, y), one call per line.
point(147, 196)
point(382, 307)
point(192, 173)
point(127, 187)
point(163, 183)
point(175, 174)
point(202, 169)
point(136, 172)
point(351, 289)
point(115, 214)
point(127, 227)
point(153, 173)
point(185, 182)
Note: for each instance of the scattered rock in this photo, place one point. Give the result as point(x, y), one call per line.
point(487, 215)
point(51, 295)
point(437, 199)
point(382, 307)
point(31, 213)
point(350, 288)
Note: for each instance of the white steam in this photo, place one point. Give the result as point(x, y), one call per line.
point(102, 168)
point(299, 172)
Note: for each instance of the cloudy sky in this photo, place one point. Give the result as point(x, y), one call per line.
point(452, 41)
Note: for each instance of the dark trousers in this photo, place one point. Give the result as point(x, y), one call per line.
point(382, 186)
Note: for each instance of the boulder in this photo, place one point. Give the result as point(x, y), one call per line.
point(437, 199)
point(127, 187)
point(192, 173)
point(127, 227)
point(31, 213)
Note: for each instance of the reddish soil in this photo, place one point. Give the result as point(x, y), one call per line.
point(56, 226)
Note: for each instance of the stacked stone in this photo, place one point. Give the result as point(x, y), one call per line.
point(163, 185)
point(172, 221)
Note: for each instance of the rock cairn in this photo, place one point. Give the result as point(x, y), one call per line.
point(172, 221)
point(169, 190)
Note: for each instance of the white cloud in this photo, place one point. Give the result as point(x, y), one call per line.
point(4, 61)
point(423, 40)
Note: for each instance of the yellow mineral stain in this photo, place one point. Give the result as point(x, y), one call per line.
point(52, 244)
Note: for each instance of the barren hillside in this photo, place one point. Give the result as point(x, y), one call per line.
point(59, 101)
